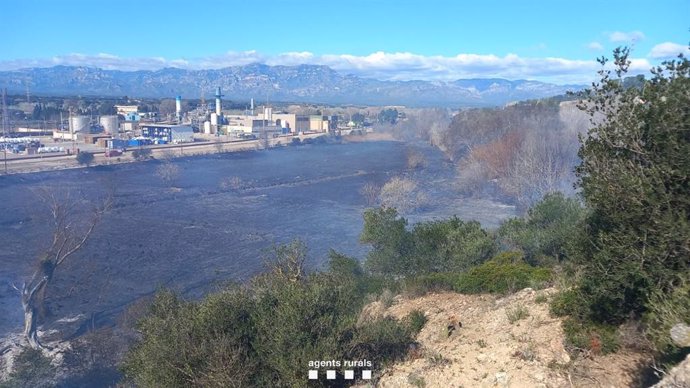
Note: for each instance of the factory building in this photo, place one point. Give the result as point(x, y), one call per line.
point(284, 122)
point(125, 109)
point(168, 133)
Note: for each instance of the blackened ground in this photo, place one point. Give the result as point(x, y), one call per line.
point(199, 235)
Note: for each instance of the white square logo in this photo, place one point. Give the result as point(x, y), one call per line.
point(349, 375)
point(330, 375)
point(366, 375)
point(313, 375)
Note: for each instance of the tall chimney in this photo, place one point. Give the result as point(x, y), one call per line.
point(218, 104)
point(178, 108)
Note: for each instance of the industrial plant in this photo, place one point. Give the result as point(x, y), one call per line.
point(125, 126)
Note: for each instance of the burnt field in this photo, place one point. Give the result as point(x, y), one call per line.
point(213, 225)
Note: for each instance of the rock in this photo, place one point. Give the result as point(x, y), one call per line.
point(680, 334)
point(502, 378)
point(481, 358)
point(678, 376)
point(539, 377)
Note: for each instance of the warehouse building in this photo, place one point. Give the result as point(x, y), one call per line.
point(168, 133)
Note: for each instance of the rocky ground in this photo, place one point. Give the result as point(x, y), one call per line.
point(487, 341)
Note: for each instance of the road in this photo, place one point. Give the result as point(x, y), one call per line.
point(18, 164)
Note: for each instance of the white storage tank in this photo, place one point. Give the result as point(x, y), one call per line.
point(79, 124)
point(214, 119)
point(207, 127)
point(110, 124)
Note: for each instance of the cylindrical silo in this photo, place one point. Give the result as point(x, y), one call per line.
point(79, 124)
point(110, 124)
point(207, 127)
point(214, 119)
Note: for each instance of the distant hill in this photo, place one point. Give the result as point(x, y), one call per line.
point(303, 83)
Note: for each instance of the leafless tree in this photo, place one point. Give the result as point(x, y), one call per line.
point(415, 159)
point(168, 172)
point(402, 194)
point(71, 227)
point(370, 192)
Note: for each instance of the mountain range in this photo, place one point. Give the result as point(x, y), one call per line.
point(302, 83)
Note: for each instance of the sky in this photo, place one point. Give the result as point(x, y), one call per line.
point(437, 40)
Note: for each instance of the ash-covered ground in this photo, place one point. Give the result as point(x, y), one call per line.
point(202, 234)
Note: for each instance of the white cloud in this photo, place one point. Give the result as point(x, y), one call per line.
point(632, 36)
point(380, 65)
point(595, 46)
point(668, 50)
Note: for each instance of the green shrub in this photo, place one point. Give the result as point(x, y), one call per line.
point(498, 276)
point(517, 313)
point(381, 341)
point(589, 337)
point(432, 282)
point(450, 245)
point(666, 311)
point(189, 344)
point(634, 179)
point(141, 153)
point(416, 380)
point(541, 298)
point(548, 232)
point(568, 302)
point(415, 321)
point(85, 158)
point(391, 243)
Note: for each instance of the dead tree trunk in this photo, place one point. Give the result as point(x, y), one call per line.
point(71, 230)
point(30, 293)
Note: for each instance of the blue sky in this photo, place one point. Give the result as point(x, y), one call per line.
point(550, 40)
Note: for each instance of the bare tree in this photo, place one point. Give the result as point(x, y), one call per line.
point(402, 194)
point(415, 159)
point(168, 173)
point(370, 192)
point(71, 229)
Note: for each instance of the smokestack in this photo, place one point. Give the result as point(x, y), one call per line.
point(218, 105)
point(252, 106)
point(178, 108)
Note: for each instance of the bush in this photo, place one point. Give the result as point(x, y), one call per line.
point(589, 337)
point(450, 245)
point(426, 283)
point(141, 153)
point(85, 158)
point(517, 313)
point(633, 176)
point(381, 341)
point(187, 344)
point(550, 229)
point(665, 310)
point(501, 277)
point(415, 321)
point(265, 334)
point(390, 241)
point(568, 302)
